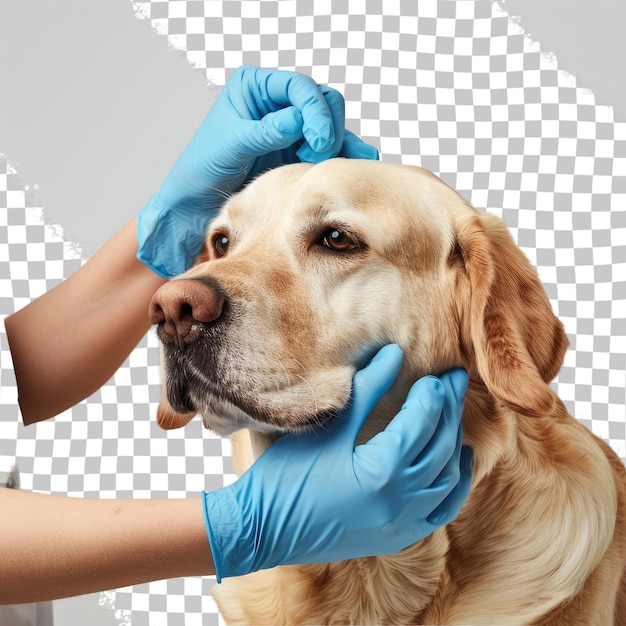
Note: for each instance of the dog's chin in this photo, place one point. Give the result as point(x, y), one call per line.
point(228, 402)
point(267, 406)
point(231, 419)
point(225, 416)
point(226, 423)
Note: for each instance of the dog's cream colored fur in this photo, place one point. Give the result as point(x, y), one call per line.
point(542, 537)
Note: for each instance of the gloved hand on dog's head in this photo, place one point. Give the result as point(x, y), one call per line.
point(261, 119)
point(315, 497)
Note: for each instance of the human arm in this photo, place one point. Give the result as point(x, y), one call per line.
point(68, 342)
point(55, 546)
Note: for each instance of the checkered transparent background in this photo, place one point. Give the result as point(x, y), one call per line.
point(457, 89)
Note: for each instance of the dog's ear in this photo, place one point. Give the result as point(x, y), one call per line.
point(168, 418)
point(517, 343)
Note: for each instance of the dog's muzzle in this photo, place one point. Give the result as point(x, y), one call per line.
point(181, 307)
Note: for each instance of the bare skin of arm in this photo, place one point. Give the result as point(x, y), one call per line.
point(55, 546)
point(67, 343)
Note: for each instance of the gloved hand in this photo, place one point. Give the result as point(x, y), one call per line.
point(315, 498)
point(261, 119)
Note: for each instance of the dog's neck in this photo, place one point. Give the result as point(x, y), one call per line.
point(488, 427)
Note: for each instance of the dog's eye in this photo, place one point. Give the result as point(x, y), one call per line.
point(339, 240)
point(220, 244)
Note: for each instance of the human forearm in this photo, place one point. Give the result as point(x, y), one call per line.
point(69, 342)
point(86, 546)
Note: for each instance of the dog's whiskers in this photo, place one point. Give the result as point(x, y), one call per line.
point(298, 362)
point(304, 380)
point(222, 192)
point(287, 377)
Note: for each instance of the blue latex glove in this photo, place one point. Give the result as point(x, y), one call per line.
point(315, 498)
point(261, 119)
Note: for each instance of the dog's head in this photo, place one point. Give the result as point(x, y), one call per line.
point(311, 268)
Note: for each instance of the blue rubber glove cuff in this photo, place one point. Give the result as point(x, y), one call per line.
point(165, 245)
point(223, 521)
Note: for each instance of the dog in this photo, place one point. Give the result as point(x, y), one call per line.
point(305, 273)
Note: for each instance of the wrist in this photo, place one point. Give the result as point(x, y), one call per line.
point(224, 520)
point(166, 242)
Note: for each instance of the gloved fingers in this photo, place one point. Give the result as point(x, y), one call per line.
point(411, 430)
point(318, 111)
point(447, 436)
point(355, 148)
point(424, 501)
point(440, 473)
point(448, 510)
point(456, 382)
point(368, 387)
point(445, 446)
point(275, 131)
point(336, 105)
point(437, 460)
point(427, 426)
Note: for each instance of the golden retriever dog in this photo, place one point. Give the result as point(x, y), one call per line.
point(307, 271)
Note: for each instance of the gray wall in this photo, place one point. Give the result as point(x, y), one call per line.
point(95, 109)
point(587, 39)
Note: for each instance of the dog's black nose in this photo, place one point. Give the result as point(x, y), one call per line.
point(181, 306)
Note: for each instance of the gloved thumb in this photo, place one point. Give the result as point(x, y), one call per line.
point(369, 385)
point(275, 131)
